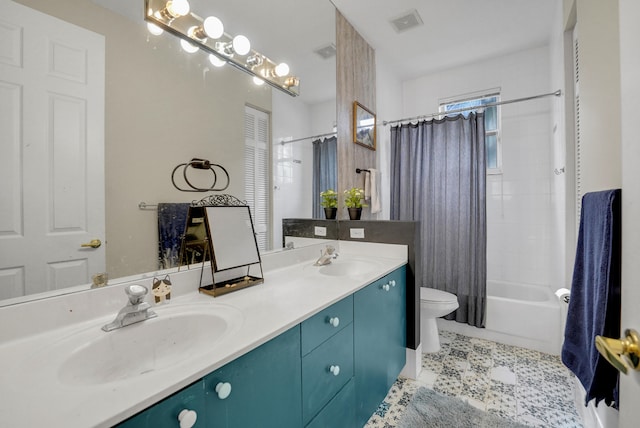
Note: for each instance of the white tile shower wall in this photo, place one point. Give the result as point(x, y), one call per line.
point(519, 202)
point(521, 199)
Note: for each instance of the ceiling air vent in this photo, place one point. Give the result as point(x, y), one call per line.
point(327, 51)
point(406, 21)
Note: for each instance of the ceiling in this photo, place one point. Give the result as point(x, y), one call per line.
point(454, 32)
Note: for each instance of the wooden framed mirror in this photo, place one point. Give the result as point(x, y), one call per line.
point(364, 126)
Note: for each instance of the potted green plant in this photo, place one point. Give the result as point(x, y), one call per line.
point(353, 201)
point(329, 203)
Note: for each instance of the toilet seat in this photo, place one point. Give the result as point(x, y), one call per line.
point(431, 295)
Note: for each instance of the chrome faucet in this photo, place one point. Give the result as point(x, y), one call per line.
point(135, 311)
point(326, 255)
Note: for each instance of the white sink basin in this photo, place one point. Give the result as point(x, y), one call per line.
point(179, 333)
point(348, 268)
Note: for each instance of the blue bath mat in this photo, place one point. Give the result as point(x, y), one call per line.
point(429, 409)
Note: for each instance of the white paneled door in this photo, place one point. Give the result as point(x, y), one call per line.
point(51, 152)
point(630, 70)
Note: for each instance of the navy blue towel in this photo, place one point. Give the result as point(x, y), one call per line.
point(172, 220)
point(594, 306)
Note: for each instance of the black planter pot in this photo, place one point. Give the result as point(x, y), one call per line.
point(330, 213)
point(355, 213)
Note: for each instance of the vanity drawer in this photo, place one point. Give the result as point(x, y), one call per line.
point(325, 371)
point(326, 323)
point(341, 410)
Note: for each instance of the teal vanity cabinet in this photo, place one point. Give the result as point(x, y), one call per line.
point(327, 367)
point(258, 389)
point(379, 340)
point(332, 370)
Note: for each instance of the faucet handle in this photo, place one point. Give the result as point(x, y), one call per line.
point(330, 249)
point(136, 293)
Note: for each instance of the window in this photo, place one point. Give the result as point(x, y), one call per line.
point(491, 124)
point(257, 173)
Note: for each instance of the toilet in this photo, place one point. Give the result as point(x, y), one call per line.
point(433, 304)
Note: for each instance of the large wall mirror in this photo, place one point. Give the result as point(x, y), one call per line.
point(164, 106)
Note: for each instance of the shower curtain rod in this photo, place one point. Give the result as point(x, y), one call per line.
point(307, 138)
point(518, 100)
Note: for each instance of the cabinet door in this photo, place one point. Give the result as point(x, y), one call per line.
point(165, 414)
point(396, 323)
point(265, 387)
point(379, 341)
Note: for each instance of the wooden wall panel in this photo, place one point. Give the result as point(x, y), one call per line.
point(356, 81)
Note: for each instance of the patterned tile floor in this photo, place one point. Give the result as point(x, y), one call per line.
point(520, 384)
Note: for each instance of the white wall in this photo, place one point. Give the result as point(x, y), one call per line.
point(562, 184)
point(389, 107)
point(598, 33)
point(519, 201)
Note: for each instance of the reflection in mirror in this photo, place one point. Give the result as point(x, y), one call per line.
point(162, 107)
point(225, 236)
point(364, 126)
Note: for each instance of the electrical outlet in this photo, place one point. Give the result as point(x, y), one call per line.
point(356, 233)
point(320, 231)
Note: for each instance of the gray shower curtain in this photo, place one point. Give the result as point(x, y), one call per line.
point(325, 172)
point(438, 177)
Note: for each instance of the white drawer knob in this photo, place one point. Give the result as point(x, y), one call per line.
point(187, 418)
point(385, 287)
point(223, 389)
point(334, 321)
point(335, 370)
point(392, 282)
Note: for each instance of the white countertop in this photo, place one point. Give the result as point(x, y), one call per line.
point(33, 395)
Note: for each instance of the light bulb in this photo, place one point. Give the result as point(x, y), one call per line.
point(154, 29)
point(241, 45)
point(177, 8)
point(258, 81)
point(188, 47)
point(215, 61)
point(213, 27)
point(282, 69)
point(254, 61)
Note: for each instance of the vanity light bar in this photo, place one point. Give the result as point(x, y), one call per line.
point(226, 47)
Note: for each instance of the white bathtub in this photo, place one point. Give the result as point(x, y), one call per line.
point(523, 315)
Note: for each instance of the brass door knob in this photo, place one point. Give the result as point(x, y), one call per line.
point(615, 349)
point(94, 243)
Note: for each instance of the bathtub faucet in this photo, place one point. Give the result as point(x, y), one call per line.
point(326, 255)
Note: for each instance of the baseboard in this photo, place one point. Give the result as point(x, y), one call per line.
point(413, 366)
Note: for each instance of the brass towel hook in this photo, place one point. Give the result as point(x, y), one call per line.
point(614, 349)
